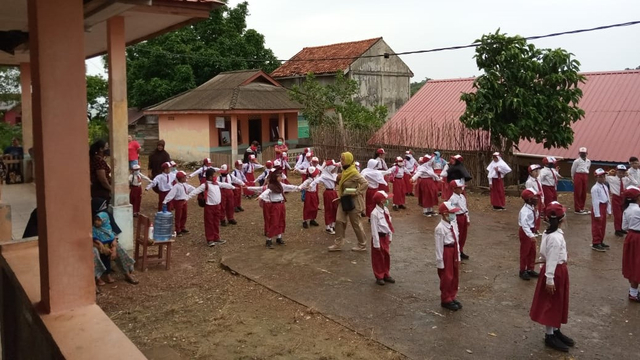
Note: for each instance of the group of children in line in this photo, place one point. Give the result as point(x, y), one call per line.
point(430, 175)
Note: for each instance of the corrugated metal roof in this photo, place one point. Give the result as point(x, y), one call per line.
point(610, 129)
point(348, 52)
point(232, 90)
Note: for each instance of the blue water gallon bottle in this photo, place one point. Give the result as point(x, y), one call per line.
point(163, 226)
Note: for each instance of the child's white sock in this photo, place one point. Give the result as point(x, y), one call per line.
point(328, 227)
point(633, 292)
point(333, 225)
point(548, 330)
point(279, 236)
point(425, 210)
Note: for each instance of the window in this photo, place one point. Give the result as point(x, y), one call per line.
point(224, 134)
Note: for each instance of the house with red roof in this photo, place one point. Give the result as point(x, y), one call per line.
point(609, 130)
point(383, 80)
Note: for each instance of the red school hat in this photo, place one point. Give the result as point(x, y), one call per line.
point(166, 165)
point(529, 193)
point(554, 210)
point(632, 192)
point(446, 207)
point(224, 169)
point(181, 175)
point(534, 167)
point(381, 195)
point(268, 164)
point(313, 171)
point(456, 184)
point(380, 151)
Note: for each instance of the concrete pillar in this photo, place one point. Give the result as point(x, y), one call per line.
point(27, 119)
point(281, 125)
point(119, 130)
point(234, 139)
point(56, 44)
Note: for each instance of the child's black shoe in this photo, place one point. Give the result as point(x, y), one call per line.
point(554, 342)
point(313, 223)
point(564, 338)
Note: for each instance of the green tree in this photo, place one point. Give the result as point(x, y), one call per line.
point(97, 98)
point(9, 83)
point(181, 60)
point(416, 86)
point(523, 93)
point(322, 104)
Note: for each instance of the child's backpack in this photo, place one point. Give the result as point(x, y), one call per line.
point(202, 197)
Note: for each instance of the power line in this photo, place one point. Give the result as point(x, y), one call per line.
point(448, 48)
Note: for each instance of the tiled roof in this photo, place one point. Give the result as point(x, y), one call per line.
point(134, 115)
point(610, 129)
point(232, 90)
point(346, 53)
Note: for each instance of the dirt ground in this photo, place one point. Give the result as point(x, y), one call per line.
point(300, 302)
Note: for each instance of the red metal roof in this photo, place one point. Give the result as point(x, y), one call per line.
point(610, 129)
point(347, 53)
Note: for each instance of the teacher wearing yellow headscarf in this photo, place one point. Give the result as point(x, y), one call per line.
point(351, 188)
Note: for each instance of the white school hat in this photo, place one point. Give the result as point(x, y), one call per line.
point(315, 159)
point(582, 150)
point(135, 167)
point(534, 167)
point(495, 154)
point(621, 167)
point(224, 169)
point(599, 171)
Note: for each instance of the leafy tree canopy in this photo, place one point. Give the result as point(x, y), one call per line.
point(9, 83)
point(97, 98)
point(523, 93)
point(322, 104)
point(181, 60)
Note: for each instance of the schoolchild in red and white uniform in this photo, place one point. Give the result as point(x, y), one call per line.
point(437, 163)
point(459, 201)
point(631, 248)
point(135, 188)
point(273, 201)
point(212, 209)
point(549, 177)
point(427, 186)
point(201, 171)
point(550, 305)
point(311, 199)
point(381, 165)
point(285, 167)
point(580, 176)
point(268, 168)
point(398, 171)
point(527, 233)
point(228, 201)
point(600, 210)
point(178, 195)
point(303, 163)
point(410, 165)
point(448, 256)
point(533, 182)
point(237, 192)
point(381, 236)
point(497, 169)
point(376, 181)
point(619, 180)
point(249, 169)
point(328, 178)
point(163, 182)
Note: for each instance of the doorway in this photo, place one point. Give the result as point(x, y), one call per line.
point(255, 130)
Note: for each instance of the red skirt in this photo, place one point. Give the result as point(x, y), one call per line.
point(551, 310)
point(251, 181)
point(277, 216)
point(399, 191)
point(446, 190)
point(311, 204)
point(385, 188)
point(550, 194)
point(428, 193)
point(439, 183)
point(497, 192)
point(370, 205)
point(631, 256)
point(408, 186)
point(330, 206)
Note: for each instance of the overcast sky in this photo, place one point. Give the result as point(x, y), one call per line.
point(290, 25)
